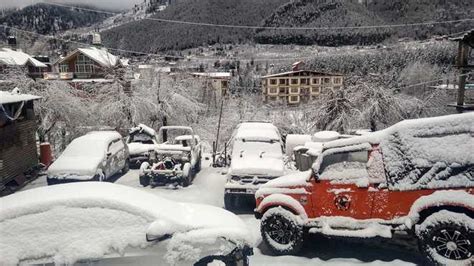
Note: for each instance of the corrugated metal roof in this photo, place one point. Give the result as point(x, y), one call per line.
point(11, 97)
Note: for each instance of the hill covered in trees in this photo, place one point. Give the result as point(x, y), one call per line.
point(152, 36)
point(48, 19)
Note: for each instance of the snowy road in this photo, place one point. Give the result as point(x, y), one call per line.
point(208, 188)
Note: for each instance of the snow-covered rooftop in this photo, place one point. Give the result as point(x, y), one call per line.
point(18, 58)
point(213, 74)
point(12, 97)
point(100, 56)
point(300, 71)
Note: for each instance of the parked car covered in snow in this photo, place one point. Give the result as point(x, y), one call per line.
point(257, 157)
point(416, 177)
point(113, 224)
point(96, 156)
point(141, 141)
point(176, 159)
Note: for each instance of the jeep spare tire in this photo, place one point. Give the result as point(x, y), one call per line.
point(144, 178)
point(282, 231)
point(446, 238)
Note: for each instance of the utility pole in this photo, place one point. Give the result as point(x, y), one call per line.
point(465, 44)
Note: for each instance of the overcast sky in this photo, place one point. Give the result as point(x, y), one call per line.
point(115, 4)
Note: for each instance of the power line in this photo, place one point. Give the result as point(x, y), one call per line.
point(425, 23)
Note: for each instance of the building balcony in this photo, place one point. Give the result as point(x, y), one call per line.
point(66, 75)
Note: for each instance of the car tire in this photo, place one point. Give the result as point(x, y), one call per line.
point(187, 174)
point(446, 238)
point(144, 178)
point(126, 167)
point(282, 231)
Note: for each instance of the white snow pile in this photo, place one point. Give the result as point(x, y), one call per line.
point(83, 155)
point(324, 136)
point(89, 220)
point(143, 128)
point(295, 140)
point(257, 158)
point(424, 153)
point(351, 227)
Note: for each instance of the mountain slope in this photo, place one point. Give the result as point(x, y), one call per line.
point(48, 19)
point(152, 36)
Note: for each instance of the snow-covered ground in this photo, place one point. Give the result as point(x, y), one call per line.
point(208, 188)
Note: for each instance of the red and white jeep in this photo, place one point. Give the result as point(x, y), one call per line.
point(416, 176)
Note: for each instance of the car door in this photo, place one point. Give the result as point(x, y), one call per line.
point(117, 155)
point(341, 187)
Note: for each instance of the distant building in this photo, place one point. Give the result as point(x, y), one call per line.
point(18, 150)
point(218, 80)
point(87, 63)
point(299, 86)
point(10, 58)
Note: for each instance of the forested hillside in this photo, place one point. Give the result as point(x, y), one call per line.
point(48, 19)
point(154, 36)
point(150, 36)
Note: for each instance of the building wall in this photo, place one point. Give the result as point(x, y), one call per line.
point(294, 90)
point(18, 150)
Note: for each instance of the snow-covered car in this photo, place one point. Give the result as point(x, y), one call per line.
point(141, 141)
point(415, 178)
point(96, 156)
point(105, 223)
point(176, 159)
point(257, 157)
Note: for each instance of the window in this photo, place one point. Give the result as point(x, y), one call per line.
point(315, 90)
point(272, 91)
point(224, 84)
point(295, 90)
point(282, 90)
point(294, 99)
point(304, 81)
point(63, 68)
point(327, 80)
point(294, 81)
point(344, 165)
point(337, 80)
point(84, 64)
point(273, 82)
point(282, 81)
point(316, 81)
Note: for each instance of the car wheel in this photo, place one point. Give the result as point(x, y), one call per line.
point(187, 174)
point(144, 178)
point(446, 238)
point(126, 167)
point(282, 231)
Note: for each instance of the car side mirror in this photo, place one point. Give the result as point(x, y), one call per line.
point(162, 229)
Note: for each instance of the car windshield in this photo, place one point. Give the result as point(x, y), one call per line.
point(140, 138)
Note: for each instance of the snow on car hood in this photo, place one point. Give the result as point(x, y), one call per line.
point(74, 166)
point(136, 148)
point(197, 226)
point(290, 180)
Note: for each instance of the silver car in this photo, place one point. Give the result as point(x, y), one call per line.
point(95, 156)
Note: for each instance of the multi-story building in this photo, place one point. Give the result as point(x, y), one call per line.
point(299, 86)
point(219, 81)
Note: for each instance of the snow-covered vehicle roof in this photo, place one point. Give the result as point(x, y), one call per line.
point(142, 213)
point(256, 125)
point(248, 134)
point(186, 137)
point(257, 158)
point(83, 155)
point(424, 153)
